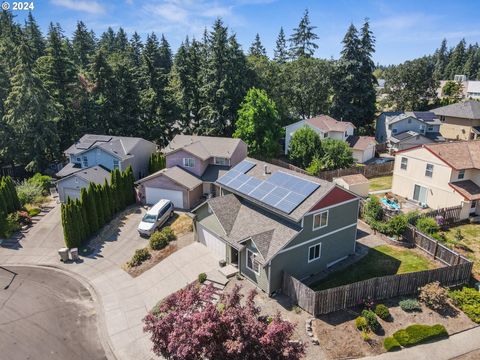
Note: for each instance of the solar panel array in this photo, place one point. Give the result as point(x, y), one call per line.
point(281, 191)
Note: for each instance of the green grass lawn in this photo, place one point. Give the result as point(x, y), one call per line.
point(381, 260)
point(381, 183)
point(469, 246)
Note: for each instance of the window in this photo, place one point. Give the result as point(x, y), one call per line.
point(473, 204)
point(429, 170)
point(79, 161)
point(442, 118)
point(252, 264)
point(188, 162)
point(320, 220)
point(346, 134)
point(314, 252)
point(85, 161)
point(410, 120)
point(404, 163)
point(430, 128)
point(461, 174)
point(394, 131)
point(116, 164)
point(220, 161)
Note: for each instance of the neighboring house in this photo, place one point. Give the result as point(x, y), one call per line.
point(193, 164)
point(270, 220)
point(71, 185)
point(324, 125)
point(440, 175)
point(401, 130)
point(357, 183)
point(363, 147)
point(470, 88)
point(105, 152)
point(460, 121)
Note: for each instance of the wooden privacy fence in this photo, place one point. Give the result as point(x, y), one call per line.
point(342, 297)
point(450, 215)
point(369, 171)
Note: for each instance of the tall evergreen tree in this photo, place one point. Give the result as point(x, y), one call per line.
point(302, 41)
point(83, 44)
point(441, 60)
point(257, 49)
point(108, 41)
point(31, 115)
point(92, 209)
point(472, 62)
point(34, 37)
point(456, 60)
point(281, 51)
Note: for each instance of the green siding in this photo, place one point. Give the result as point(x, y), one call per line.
point(262, 278)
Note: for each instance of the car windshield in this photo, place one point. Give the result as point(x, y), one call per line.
point(149, 218)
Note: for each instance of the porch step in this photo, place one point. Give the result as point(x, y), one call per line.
point(228, 271)
point(216, 276)
point(215, 285)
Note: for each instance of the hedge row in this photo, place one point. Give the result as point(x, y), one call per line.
point(413, 335)
point(97, 206)
point(157, 162)
point(9, 202)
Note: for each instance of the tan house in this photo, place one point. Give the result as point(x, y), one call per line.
point(193, 165)
point(440, 175)
point(460, 121)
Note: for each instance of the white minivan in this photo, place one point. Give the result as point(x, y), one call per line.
point(155, 217)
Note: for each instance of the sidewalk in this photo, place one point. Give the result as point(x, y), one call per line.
point(453, 347)
point(124, 300)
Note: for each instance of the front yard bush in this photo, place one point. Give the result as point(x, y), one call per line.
point(434, 296)
point(43, 181)
point(410, 305)
point(390, 344)
point(158, 241)
point(382, 312)
point(168, 233)
point(202, 277)
point(29, 192)
point(9, 225)
point(417, 334)
point(139, 257)
point(427, 225)
point(361, 323)
point(468, 300)
point(372, 320)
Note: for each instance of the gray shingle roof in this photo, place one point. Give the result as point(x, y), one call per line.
point(203, 147)
point(243, 221)
point(213, 172)
point(68, 169)
point(466, 109)
point(176, 174)
point(94, 174)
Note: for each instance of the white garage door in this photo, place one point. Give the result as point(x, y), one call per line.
point(154, 195)
point(71, 193)
point(216, 246)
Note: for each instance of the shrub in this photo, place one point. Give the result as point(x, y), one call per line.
point(410, 305)
point(373, 209)
point(9, 225)
point(427, 225)
point(24, 218)
point(390, 344)
point(168, 233)
point(382, 312)
point(468, 300)
point(371, 318)
point(43, 181)
point(397, 225)
point(458, 235)
point(439, 237)
point(412, 216)
point(434, 296)
point(158, 240)
point(34, 211)
point(29, 193)
point(202, 277)
point(365, 336)
point(416, 334)
point(368, 303)
point(139, 257)
point(361, 323)
point(297, 309)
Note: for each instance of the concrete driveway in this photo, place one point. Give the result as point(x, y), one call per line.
point(124, 300)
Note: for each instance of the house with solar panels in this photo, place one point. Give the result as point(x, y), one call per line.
point(270, 220)
point(93, 157)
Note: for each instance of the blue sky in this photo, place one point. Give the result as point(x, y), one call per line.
point(404, 29)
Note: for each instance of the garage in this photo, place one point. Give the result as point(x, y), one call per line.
point(154, 195)
point(71, 193)
point(216, 246)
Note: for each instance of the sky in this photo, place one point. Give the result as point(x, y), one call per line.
point(404, 29)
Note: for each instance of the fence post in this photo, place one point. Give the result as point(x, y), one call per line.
point(435, 251)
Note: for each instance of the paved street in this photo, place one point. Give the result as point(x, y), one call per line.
point(46, 315)
point(123, 299)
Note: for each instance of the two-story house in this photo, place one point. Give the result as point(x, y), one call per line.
point(93, 157)
point(403, 130)
point(193, 164)
point(460, 121)
point(440, 175)
point(363, 147)
point(269, 220)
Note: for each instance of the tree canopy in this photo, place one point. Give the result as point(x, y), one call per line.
point(305, 145)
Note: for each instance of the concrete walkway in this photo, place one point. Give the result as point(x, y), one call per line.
point(124, 300)
point(453, 347)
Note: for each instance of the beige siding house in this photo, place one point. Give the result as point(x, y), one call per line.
point(440, 175)
point(460, 121)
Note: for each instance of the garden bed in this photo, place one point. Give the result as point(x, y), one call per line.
point(381, 260)
point(339, 337)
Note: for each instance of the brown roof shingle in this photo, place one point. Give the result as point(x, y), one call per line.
point(459, 155)
point(361, 142)
point(467, 188)
point(203, 146)
point(327, 123)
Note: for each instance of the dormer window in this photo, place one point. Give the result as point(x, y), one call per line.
point(189, 162)
point(220, 161)
point(461, 174)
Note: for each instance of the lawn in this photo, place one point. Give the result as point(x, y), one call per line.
point(469, 246)
point(381, 260)
point(381, 183)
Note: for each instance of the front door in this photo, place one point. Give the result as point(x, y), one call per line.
point(234, 256)
point(420, 194)
point(473, 207)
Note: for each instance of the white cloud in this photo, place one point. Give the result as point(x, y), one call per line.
point(92, 7)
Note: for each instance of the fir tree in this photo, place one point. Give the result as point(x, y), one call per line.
point(99, 205)
point(281, 52)
point(92, 209)
point(302, 41)
point(34, 37)
point(84, 199)
point(456, 61)
point(472, 61)
point(107, 210)
point(441, 60)
point(257, 49)
point(83, 44)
